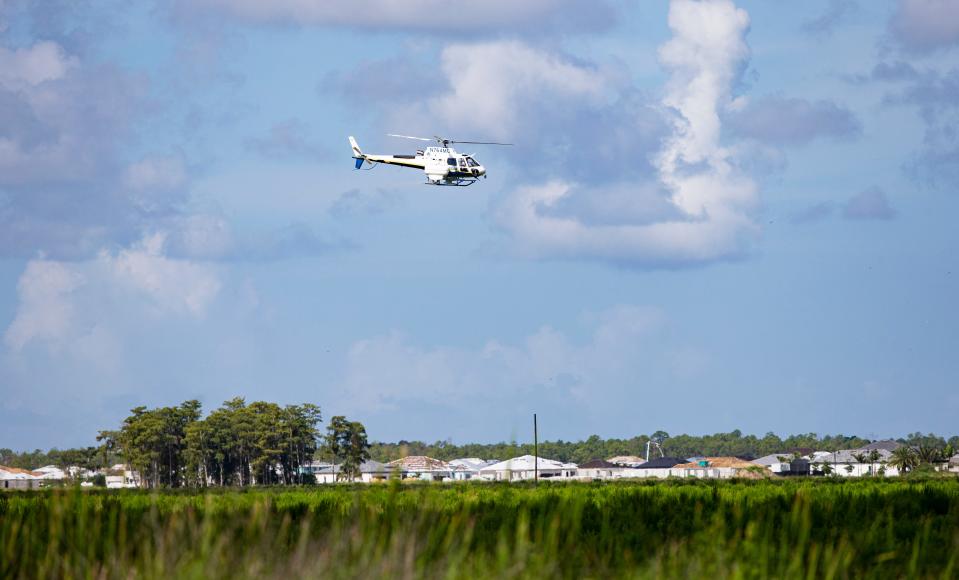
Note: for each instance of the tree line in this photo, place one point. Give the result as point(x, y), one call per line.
point(733, 443)
point(238, 444)
point(263, 443)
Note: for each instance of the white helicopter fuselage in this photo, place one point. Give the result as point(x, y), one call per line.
point(442, 165)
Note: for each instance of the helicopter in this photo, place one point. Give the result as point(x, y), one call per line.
point(443, 165)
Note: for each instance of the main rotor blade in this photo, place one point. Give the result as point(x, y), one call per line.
point(409, 137)
point(481, 143)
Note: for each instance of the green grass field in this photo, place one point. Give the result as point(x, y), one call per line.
point(741, 529)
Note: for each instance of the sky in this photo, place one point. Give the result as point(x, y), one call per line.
point(716, 215)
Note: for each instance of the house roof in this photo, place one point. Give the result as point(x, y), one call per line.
point(731, 462)
point(526, 463)
point(886, 444)
point(470, 464)
point(627, 460)
point(662, 462)
point(373, 467)
point(849, 456)
point(773, 458)
point(17, 473)
point(419, 463)
point(599, 464)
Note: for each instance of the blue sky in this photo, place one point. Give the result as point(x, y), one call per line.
point(717, 215)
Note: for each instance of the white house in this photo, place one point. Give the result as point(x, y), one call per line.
point(526, 467)
point(627, 460)
point(660, 467)
point(468, 467)
point(121, 476)
point(845, 463)
point(421, 467)
point(719, 468)
point(601, 469)
point(954, 463)
point(16, 478)
point(776, 462)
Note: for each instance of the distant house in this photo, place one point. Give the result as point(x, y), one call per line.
point(371, 471)
point(627, 460)
point(889, 445)
point(784, 464)
point(601, 469)
point(659, 467)
point(954, 463)
point(421, 467)
point(468, 468)
point(526, 467)
point(51, 472)
point(121, 476)
point(720, 468)
point(845, 463)
point(16, 478)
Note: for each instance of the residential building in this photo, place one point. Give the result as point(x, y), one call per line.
point(600, 469)
point(422, 467)
point(659, 467)
point(16, 478)
point(526, 467)
point(846, 463)
point(468, 468)
point(627, 460)
point(721, 468)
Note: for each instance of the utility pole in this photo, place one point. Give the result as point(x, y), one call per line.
point(535, 452)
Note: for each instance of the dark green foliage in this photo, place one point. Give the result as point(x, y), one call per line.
point(744, 529)
point(347, 445)
point(719, 444)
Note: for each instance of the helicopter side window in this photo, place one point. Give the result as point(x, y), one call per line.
point(472, 162)
point(451, 162)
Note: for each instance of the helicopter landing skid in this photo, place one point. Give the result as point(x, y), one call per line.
point(455, 183)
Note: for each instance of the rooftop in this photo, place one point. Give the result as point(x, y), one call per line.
point(419, 463)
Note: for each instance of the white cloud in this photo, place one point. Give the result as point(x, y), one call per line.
point(390, 372)
point(925, 25)
point(46, 310)
point(492, 82)
point(32, 65)
point(177, 286)
point(161, 172)
point(61, 303)
point(711, 199)
point(421, 15)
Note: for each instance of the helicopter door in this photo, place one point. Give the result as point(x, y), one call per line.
point(463, 167)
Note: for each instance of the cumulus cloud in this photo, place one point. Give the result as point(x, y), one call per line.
point(935, 94)
point(61, 168)
point(391, 372)
point(698, 208)
point(491, 16)
point(46, 310)
point(869, 204)
point(54, 297)
point(922, 26)
point(779, 120)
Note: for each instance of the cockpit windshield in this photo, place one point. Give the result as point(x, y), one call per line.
point(472, 162)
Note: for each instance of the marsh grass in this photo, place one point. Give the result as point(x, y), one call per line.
point(738, 529)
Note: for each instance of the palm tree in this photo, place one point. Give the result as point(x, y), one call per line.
point(874, 457)
point(861, 459)
point(928, 454)
point(904, 459)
